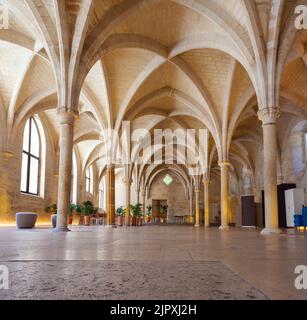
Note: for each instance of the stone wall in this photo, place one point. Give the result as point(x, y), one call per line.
point(11, 199)
point(175, 194)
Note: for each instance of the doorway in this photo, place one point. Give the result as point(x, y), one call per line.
point(158, 214)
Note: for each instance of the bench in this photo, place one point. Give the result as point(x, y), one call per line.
point(26, 220)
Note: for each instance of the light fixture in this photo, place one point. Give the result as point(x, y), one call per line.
point(168, 180)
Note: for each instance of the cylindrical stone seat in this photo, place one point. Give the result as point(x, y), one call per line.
point(26, 220)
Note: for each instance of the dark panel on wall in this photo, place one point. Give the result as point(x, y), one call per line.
point(259, 215)
point(248, 211)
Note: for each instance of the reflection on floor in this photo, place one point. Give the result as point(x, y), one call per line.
point(151, 262)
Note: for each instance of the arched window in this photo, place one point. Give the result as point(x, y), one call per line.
point(31, 155)
point(101, 198)
point(89, 180)
point(74, 177)
point(247, 182)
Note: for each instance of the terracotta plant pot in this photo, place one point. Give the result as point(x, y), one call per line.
point(70, 220)
point(120, 221)
point(77, 219)
point(87, 220)
point(134, 221)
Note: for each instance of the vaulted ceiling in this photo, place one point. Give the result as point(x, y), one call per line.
point(158, 63)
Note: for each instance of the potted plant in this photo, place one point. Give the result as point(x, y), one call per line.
point(164, 213)
point(95, 211)
point(120, 212)
point(72, 209)
point(136, 214)
point(53, 209)
point(148, 214)
point(77, 215)
point(87, 210)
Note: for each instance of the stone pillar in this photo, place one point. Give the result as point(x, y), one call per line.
point(197, 211)
point(269, 118)
point(110, 195)
point(191, 204)
point(138, 196)
point(224, 195)
point(6, 188)
point(144, 201)
point(67, 119)
point(206, 203)
point(128, 182)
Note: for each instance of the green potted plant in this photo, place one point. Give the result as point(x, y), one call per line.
point(77, 215)
point(72, 210)
point(120, 212)
point(87, 210)
point(95, 210)
point(53, 210)
point(148, 213)
point(163, 216)
point(136, 214)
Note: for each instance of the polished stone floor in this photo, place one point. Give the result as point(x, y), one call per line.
point(151, 262)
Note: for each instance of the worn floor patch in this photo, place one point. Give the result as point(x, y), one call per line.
point(125, 280)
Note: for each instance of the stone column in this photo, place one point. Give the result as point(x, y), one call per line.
point(128, 182)
point(6, 188)
point(224, 195)
point(191, 204)
point(269, 118)
point(138, 195)
point(206, 203)
point(144, 201)
point(197, 211)
point(67, 119)
point(110, 195)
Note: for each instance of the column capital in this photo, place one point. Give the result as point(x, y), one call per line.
point(206, 180)
point(127, 181)
point(224, 163)
point(269, 115)
point(197, 191)
point(67, 115)
point(7, 155)
point(110, 166)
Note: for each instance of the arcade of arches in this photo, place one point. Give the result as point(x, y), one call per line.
point(70, 69)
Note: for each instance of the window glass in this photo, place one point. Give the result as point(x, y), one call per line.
point(34, 140)
point(29, 182)
point(33, 181)
point(26, 136)
point(24, 172)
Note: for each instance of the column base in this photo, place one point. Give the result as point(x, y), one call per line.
point(196, 226)
point(222, 228)
point(56, 230)
point(111, 226)
point(269, 231)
